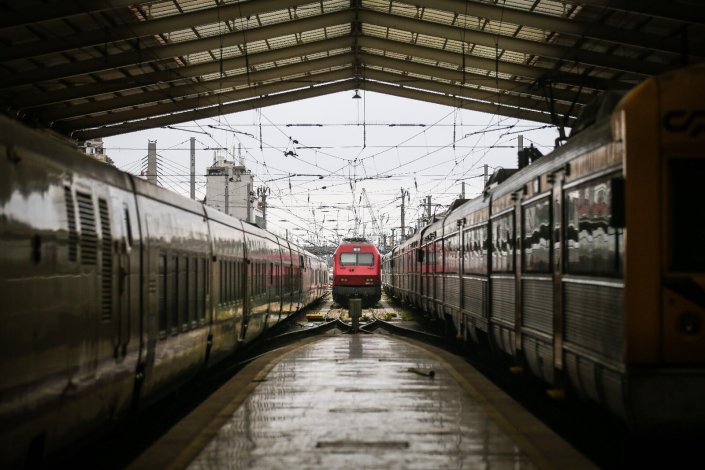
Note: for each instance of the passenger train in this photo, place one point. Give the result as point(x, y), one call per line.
point(586, 266)
point(356, 272)
point(114, 291)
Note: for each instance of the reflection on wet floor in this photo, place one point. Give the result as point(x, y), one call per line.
point(359, 401)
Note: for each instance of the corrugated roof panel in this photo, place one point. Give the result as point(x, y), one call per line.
point(82, 60)
point(430, 41)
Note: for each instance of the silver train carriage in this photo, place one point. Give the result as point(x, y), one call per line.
point(587, 267)
point(115, 290)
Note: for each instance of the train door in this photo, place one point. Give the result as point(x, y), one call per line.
point(123, 242)
point(154, 272)
point(558, 219)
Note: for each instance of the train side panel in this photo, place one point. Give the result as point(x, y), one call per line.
point(177, 262)
point(229, 286)
point(69, 288)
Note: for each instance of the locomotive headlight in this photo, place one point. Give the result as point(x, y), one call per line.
point(369, 280)
point(689, 323)
point(343, 279)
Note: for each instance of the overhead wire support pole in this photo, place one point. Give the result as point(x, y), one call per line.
point(193, 168)
point(376, 226)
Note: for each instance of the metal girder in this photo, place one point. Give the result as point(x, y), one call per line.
point(187, 72)
point(203, 89)
point(500, 66)
point(510, 86)
point(147, 28)
point(689, 12)
point(197, 102)
point(454, 101)
point(485, 96)
point(170, 51)
point(262, 102)
point(59, 10)
point(455, 33)
point(573, 27)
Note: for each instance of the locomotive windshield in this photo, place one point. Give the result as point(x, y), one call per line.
point(357, 259)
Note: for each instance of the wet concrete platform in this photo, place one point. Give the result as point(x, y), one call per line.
point(360, 401)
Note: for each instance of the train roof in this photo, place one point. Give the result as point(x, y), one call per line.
point(355, 240)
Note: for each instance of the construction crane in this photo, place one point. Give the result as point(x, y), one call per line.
point(375, 225)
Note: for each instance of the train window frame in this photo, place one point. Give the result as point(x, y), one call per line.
point(511, 242)
point(475, 236)
point(203, 309)
point(616, 265)
point(162, 295)
point(526, 266)
point(451, 253)
point(684, 250)
point(174, 310)
point(192, 302)
point(128, 225)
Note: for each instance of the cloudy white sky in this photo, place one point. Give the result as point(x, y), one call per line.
point(317, 155)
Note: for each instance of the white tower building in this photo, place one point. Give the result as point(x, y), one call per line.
point(229, 188)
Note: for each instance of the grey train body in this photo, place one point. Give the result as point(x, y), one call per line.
point(114, 291)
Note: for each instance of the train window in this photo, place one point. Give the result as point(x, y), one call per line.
point(231, 281)
point(254, 272)
point(592, 245)
point(451, 249)
point(437, 257)
point(162, 283)
point(365, 259)
point(503, 243)
point(348, 259)
point(183, 291)
point(175, 295)
point(357, 259)
point(193, 290)
point(686, 234)
point(238, 274)
point(476, 250)
point(537, 233)
point(202, 288)
point(128, 225)
point(221, 269)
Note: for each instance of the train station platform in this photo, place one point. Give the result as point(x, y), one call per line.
point(360, 401)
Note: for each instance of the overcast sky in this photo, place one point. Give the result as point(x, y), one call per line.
point(403, 144)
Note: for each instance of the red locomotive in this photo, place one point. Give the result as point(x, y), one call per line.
point(356, 266)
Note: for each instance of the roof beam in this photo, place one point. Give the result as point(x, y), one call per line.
point(574, 27)
point(689, 12)
point(490, 97)
point(155, 54)
point(198, 102)
point(59, 10)
point(463, 79)
point(181, 74)
point(521, 70)
point(153, 27)
point(203, 89)
point(481, 38)
point(456, 102)
point(262, 102)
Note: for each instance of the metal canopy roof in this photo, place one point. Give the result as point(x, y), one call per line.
point(95, 68)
